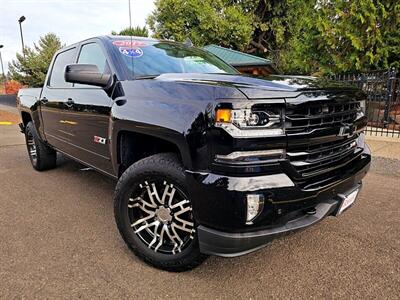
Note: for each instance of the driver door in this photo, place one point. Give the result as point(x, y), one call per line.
point(89, 114)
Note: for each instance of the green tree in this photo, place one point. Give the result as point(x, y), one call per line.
point(31, 70)
point(328, 36)
point(224, 22)
point(278, 27)
point(134, 31)
point(358, 35)
point(300, 36)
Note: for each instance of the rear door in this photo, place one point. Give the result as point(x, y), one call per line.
point(89, 113)
point(54, 100)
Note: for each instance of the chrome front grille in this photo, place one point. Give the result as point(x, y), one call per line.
point(313, 160)
point(308, 117)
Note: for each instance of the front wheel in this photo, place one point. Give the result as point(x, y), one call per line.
point(154, 214)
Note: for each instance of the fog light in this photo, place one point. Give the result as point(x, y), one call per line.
point(255, 204)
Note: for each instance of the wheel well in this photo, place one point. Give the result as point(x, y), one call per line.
point(26, 118)
point(134, 146)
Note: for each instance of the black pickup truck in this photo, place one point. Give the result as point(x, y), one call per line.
point(208, 161)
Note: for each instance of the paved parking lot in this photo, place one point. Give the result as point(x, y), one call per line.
point(59, 240)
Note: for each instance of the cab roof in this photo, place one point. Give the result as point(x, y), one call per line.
point(116, 37)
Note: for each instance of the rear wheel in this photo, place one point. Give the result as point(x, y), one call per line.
point(154, 214)
point(42, 156)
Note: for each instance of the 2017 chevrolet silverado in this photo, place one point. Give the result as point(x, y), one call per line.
point(208, 161)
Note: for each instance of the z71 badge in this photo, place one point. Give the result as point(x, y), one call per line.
point(100, 140)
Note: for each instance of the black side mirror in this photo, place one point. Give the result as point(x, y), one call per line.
point(87, 74)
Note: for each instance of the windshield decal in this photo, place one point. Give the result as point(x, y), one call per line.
point(131, 52)
point(129, 44)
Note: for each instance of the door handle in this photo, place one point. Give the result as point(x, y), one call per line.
point(69, 102)
point(43, 100)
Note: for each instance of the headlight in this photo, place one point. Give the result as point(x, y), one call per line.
point(249, 123)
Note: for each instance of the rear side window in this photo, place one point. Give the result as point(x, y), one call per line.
point(57, 74)
point(92, 54)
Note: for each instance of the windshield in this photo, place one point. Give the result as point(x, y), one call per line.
point(144, 58)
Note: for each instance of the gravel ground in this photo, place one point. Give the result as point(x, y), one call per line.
point(386, 166)
point(59, 240)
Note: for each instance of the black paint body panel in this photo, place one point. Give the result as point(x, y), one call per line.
point(179, 108)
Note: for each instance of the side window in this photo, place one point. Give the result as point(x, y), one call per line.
point(57, 74)
point(92, 54)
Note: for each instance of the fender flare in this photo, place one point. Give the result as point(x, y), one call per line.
point(176, 138)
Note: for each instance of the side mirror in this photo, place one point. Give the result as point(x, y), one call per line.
point(87, 74)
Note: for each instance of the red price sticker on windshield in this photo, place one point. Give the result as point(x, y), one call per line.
point(129, 44)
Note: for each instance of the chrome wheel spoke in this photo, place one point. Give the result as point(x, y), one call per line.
point(139, 202)
point(153, 193)
point(176, 236)
point(31, 147)
point(161, 238)
point(186, 225)
point(143, 220)
point(165, 224)
point(183, 228)
point(167, 193)
point(146, 225)
point(180, 204)
point(172, 238)
point(154, 240)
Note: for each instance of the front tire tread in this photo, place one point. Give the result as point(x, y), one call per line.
point(46, 157)
point(167, 163)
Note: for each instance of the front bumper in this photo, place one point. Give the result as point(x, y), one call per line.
point(235, 244)
point(220, 207)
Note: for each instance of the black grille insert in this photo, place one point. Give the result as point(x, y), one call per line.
point(313, 160)
point(307, 117)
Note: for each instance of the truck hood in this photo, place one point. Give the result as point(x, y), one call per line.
point(260, 87)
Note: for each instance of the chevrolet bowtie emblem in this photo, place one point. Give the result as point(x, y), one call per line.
point(346, 131)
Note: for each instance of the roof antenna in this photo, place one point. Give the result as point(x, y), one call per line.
point(131, 45)
point(130, 15)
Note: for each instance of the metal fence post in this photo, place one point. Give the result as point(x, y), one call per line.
point(389, 93)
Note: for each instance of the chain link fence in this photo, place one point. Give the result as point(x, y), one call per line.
point(383, 100)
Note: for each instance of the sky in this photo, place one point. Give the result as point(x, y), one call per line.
point(71, 20)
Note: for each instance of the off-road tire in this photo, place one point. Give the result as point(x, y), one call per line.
point(164, 165)
point(41, 156)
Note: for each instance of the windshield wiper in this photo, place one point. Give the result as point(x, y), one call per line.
point(147, 76)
